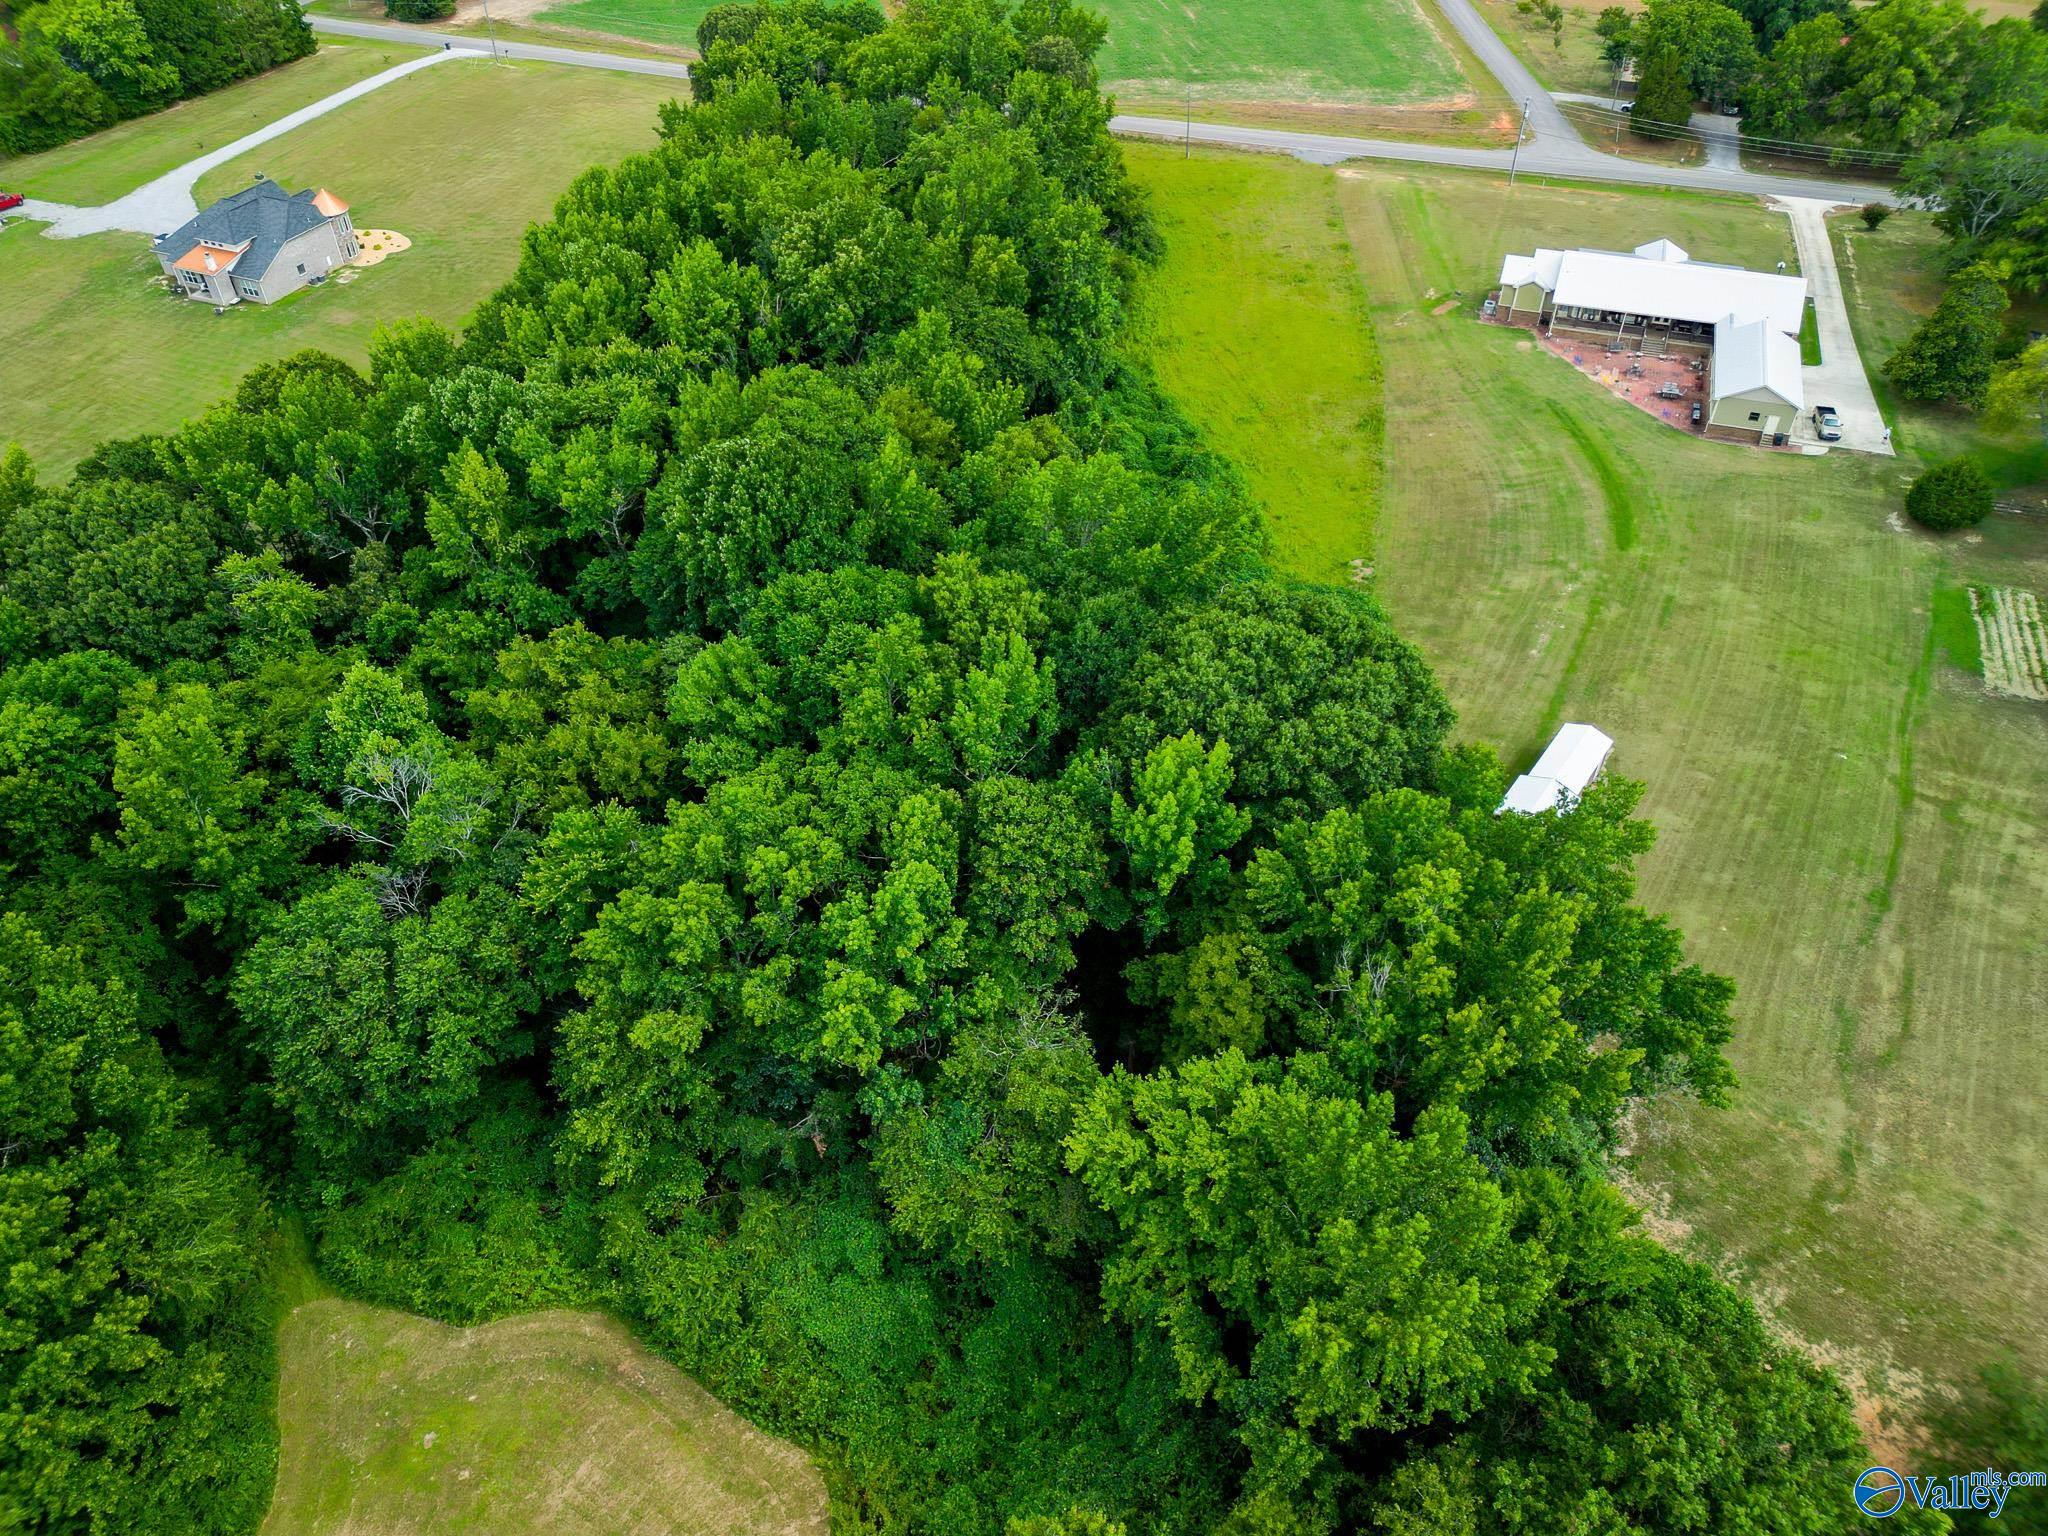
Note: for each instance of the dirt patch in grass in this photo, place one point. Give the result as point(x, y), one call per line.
point(376, 245)
point(557, 1423)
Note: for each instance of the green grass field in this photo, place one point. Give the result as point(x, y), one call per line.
point(1850, 825)
point(673, 22)
point(460, 158)
point(101, 168)
point(1382, 51)
point(555, 1423)
point(1324, 52)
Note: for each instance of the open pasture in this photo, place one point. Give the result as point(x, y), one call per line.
point(1850, 821)
point(556, 1423)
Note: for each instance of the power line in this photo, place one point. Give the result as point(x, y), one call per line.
point(1802, 148)
point(1650, 129)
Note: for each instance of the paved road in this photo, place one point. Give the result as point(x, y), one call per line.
point(1553, 149)
point(1573, 162)
point(426, 37)
point(1723, 137)
point(159, 206)
point(1839, 380)
point(1548, 123)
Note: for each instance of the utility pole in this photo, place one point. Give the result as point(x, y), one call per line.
point(1617, 104)
point(1187, 124)
point(492, 28)
point(1521, 133)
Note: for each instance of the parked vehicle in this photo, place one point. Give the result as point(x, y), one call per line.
point(1827, 423)
point(11, 200)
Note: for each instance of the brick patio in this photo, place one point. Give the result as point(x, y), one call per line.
point(1611, 371)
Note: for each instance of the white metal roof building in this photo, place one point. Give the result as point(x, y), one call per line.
point(1752, 355)
point(1572, 761)
point(1749, 321)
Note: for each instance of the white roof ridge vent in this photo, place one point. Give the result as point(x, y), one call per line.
point(1663, 250)
point(1572, 761)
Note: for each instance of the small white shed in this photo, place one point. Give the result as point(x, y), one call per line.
point(1573, 760)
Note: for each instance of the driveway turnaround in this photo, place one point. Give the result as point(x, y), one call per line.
point(159, 206)
point(1839, 380)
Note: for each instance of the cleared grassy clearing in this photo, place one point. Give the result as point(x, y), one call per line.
point(669, 22)
point(1256, 308)
point(1383, 52)
point(120, 159)
point(557, 1422)
point(1850, 825)
point(461, 158)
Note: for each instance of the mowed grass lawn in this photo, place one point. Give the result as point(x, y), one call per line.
point(552, 1424)
point(102, 167)
point(1850, 826)
point(460, 158)
point(1294, 51)
point(673, 22)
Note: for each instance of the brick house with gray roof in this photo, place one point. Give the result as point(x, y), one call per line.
point(260, 244)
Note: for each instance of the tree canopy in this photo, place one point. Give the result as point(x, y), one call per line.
point(69, 67)
point(770, 784)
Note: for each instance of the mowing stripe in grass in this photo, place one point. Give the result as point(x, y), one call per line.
point(1955, 627)
point(1614, 490)
point(1909, 708)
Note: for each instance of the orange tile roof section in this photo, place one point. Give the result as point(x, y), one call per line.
point(328, 203)
point(209, 258)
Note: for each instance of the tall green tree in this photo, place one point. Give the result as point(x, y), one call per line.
point(1952, 353)
point(1714, 46)
point(134, 1365)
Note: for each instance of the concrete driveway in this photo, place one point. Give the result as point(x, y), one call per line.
point(160, 206)
point(1840, 380)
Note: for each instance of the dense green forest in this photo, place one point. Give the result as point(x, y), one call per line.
point(69, 67)
point(1927, 91)
point(770, 788)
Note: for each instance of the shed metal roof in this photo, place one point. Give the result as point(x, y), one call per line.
point(1571, 762)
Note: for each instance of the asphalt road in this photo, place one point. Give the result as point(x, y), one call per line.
point(426, 37)
point(1540, 157)
point(1554, 147)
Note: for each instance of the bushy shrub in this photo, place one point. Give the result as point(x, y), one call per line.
point(1875, 214)
point(1951, 495)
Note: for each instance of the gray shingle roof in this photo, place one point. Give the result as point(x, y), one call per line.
point(264, 214)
